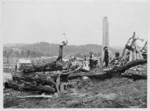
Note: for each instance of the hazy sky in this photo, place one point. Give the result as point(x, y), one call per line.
point(82, 22)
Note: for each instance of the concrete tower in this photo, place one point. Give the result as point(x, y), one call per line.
point(105, 42)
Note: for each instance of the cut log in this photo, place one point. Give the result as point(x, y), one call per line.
point(112, 72)
point(53, 66)
point(30, 87)
point(49, 67)
point(36, 96)
point(42, 81)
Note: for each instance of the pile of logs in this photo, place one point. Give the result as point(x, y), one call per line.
point(47, 82)
point(38, 81)
point(34, 83)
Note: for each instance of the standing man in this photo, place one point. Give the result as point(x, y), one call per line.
point(91, 60)
point(61, 50)
point(106, 56)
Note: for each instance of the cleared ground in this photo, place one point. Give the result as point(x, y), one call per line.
point(110, 93)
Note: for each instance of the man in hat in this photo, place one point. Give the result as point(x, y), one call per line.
point(106, 56)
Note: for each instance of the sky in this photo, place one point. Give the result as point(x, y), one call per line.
point(80, 21)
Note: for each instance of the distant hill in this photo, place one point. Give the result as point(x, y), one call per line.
point(47, 49)
point(12, 45)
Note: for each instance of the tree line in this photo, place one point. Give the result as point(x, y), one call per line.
point(46, 49)
point(13, 53)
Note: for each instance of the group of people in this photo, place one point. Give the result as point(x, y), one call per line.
point(131, 52)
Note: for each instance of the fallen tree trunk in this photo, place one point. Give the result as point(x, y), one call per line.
point(53, 66)
point(38, 80)
point(49, 67)
point(30, 87)
point(134, 76)
point(123, 68)
point(113, 72)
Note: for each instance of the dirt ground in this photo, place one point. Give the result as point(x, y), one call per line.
point(117, 92)
point(110, 93)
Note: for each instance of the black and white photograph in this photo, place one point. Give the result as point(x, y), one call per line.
point(74, 54)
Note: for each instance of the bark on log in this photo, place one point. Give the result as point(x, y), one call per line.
point(31, 87)
point(135, 76)
point(113, 72)
point(42, 78)
point(124, 67)
point(48, 67)
point(37, 80)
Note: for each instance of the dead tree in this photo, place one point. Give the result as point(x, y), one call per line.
point(130, 46)
point(116, 71)
point(143, 48)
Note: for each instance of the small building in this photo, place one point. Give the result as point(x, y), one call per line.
point(23, 63)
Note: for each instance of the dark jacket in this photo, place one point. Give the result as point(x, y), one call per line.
point(106, 56)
